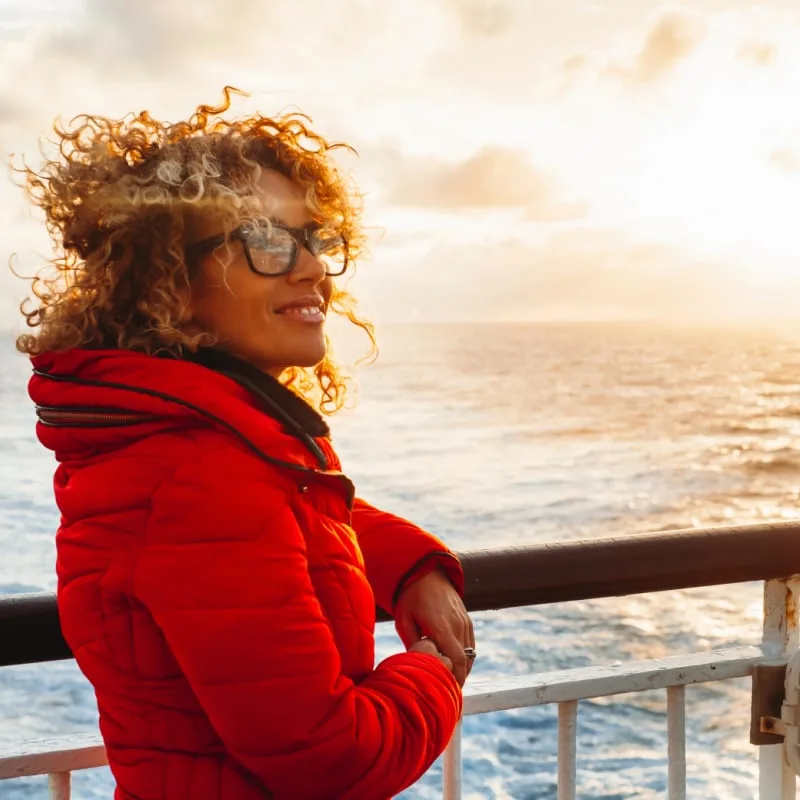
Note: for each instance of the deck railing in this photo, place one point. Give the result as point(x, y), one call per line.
point(578, 570)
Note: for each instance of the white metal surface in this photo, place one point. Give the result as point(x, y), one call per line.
point(60, 785)
point(453, 771)
point(567, 749)
point(636, 676)
point(790, 713)
point(676, 742)
point(780, 636)
point(776, 778)
point(65, 754)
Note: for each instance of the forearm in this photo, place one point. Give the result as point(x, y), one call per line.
point(394, 550)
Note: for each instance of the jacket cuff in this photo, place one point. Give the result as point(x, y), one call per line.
point(444, 560)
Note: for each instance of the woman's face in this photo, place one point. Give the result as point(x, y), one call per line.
point(271, 322)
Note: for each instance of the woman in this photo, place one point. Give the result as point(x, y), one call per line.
point(217, 580)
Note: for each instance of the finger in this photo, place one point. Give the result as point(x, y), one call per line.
point(471, 639)
point(428, 646)
point(425, 646)
point(463, 634)
point(452, 647)
point(452, 635)
point(407, 630)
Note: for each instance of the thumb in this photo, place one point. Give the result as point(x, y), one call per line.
point(407, 629)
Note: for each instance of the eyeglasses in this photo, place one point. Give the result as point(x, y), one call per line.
point(271, 249)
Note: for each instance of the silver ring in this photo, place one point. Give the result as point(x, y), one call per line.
point(471, 653)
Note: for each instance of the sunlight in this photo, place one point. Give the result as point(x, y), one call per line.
point(703, 168)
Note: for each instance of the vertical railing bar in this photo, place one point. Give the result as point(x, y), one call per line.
point(776, 780)
point(60, 785)
point(453, 776)
point(676, 742)
point(567, 749)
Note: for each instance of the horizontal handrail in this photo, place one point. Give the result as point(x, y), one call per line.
point(523, 576)
point(86, 751)
point(583, 683)
point(62, 754)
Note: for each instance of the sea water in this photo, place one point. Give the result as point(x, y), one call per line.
point(496, 435)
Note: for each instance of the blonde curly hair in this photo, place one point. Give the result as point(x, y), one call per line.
point(124, 197)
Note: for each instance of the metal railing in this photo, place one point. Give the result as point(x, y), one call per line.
point(578, 570)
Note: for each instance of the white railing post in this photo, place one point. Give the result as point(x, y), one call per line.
point(567, 749)
point(676, 742)
point(776, 780)
point(60, 784)
point(453, 777)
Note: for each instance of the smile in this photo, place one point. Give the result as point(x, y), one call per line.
point(310, 313)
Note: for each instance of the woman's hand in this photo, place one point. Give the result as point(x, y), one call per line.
point(428, 646)
point(431, 607)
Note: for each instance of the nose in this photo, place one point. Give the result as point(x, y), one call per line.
point(307, 268)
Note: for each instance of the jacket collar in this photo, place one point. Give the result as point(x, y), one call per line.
point(211, 389)
point(274, 398)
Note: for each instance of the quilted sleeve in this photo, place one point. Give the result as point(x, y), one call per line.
point(224, 574)
point(396, 552)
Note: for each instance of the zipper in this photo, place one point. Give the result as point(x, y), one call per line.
point(80, 417)
point(131, 419)
point(88, 418)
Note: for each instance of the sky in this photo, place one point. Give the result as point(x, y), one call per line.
point(520, 159)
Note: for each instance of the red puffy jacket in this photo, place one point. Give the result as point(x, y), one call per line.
point(217, 584)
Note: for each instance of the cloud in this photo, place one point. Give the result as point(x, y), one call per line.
point(672, 38)
point(464, 92)
point(494, 177)
point(165, 38)
point(785, 160)
point(483, 18)
point(578, 274)
point(113, 56)
point(575, 64)
point(545, 209)
point(12, 111)
point(759, 53)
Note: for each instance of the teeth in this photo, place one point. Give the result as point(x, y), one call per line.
point(306, 310)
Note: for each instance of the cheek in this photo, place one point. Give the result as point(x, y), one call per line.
point(232, 309)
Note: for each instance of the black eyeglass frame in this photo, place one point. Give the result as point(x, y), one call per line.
point(300, 238)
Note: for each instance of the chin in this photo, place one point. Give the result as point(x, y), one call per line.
point(303, 359)
point(310, 361)
point(311, 354)
point(301, 351)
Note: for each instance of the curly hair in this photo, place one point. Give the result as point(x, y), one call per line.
point(122, 198)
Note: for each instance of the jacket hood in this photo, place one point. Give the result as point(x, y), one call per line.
point(93, 401)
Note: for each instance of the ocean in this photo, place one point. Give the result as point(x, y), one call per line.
point(495, 435)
